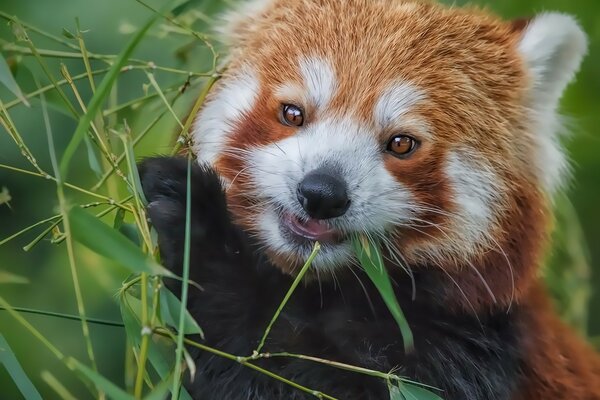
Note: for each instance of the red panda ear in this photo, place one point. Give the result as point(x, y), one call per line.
point(552, 46)
point(237, 24)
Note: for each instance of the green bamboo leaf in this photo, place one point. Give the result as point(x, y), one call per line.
point(414, 392)
point(100, 95)
point(107, 242)
point(170, 308)
point(119, 217)
point(101, 383)
point(93, 161)
point(19, 377)
point(160, 355)
point(369, 256)
point(8, 80)
point(161, 390)
point(134, 176)
point(7, 277)
point(66, 33)
point(395, 393)
point(57, 386)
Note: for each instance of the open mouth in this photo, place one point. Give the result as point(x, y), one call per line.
point(311, 229)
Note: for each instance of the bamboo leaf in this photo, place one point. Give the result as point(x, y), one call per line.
point(92, 157)
point(107, 242)
point(161, 390)
point(101, 94)
point(161, 358)
point(370, 258)
point(8, 80)
point(101, 383)
point(57, 386)
point(170, 308)
point(395, 393)
point(414, 392)
point(19, 377)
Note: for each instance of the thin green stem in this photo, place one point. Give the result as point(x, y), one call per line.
point(163, 98)
point(339, 365)
point(57, 386)
point(108, 58)
point(11, 310)
point(10, 127)
point(289, 293)
point(244, 361)
point(120, 159)
point(139, 379)
point(184, 283)
point(68, 185)
point(71, 317)
point(32, 28)
point(197, 35)
point(30, 227)
point(183, 135)
point(84, 54)
point(47, 88)
point(95, 137)
point(64, 209)
point(53, 80)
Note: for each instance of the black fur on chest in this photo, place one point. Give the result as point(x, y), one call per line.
point(469, 357)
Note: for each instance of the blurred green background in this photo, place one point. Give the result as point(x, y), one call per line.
point(108, 24)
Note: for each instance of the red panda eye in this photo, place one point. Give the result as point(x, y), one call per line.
point(402, 145)
point(291, 115)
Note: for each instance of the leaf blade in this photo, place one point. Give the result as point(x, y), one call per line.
point(103, 384)
point(370, 258)
point(8, 80)
point(414, 392)
point(16, 372)
point(109, 243)
point(170, 308)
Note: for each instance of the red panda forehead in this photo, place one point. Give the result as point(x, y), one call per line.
point(462, 59)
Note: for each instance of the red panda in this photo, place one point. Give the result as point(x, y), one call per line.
point(433, 129)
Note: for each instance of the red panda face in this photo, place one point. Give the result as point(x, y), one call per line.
point(429, 128)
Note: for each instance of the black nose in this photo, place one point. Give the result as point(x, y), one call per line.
point(323, 194)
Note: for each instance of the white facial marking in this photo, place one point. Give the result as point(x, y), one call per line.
point(476, 195)
point(395, 102)
point(552, 46)
point(219, 115)
point(319, 80)
point(290, 92)
point(378, 201)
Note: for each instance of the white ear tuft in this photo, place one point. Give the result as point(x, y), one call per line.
point(239, 22)
point(553, 46)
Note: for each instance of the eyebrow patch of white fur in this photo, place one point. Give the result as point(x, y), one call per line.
point(395, 102)
point(218, 116)
point(319, 80)
point(476, 194)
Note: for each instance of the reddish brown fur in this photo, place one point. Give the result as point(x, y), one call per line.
point(472, 103)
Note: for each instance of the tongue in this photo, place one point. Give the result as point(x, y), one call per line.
point(312, 229)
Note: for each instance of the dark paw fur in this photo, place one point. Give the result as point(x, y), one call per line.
point(164, 182)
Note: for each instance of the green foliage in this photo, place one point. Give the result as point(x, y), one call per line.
point(10, 362)
point(140, 96)
point(111, 244)
point(568, 270)
point(370, 259)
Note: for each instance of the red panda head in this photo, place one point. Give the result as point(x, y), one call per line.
point(431, 128)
